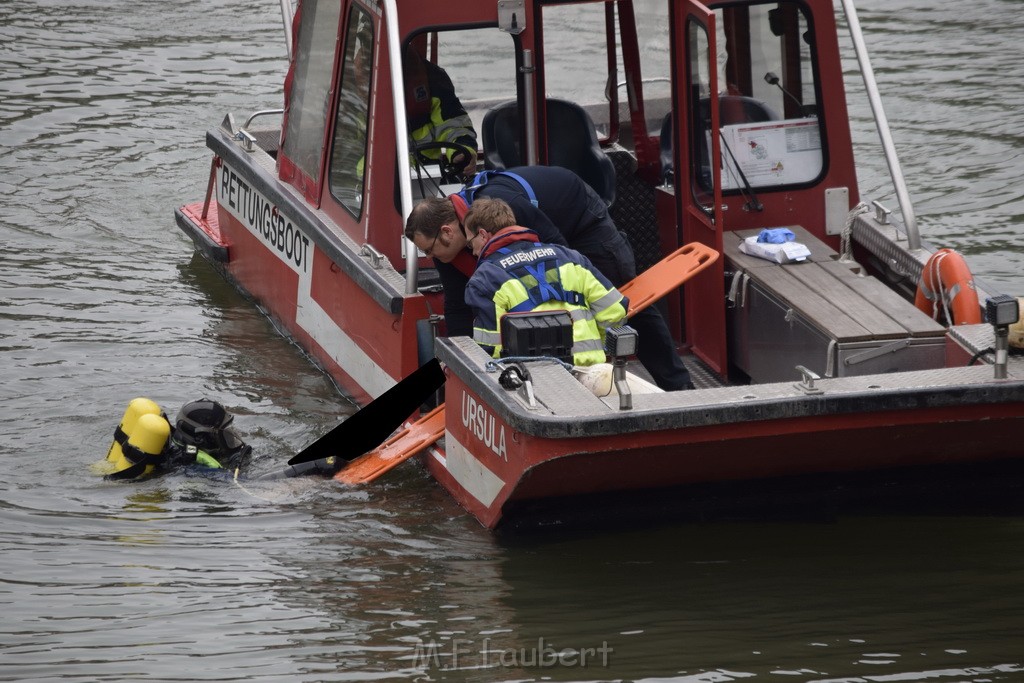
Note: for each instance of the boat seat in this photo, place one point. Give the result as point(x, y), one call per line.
point(572, 143)
point(732, 109)
point(824, 314)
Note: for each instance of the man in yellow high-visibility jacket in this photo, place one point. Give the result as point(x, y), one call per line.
point(516, 272)
point(435, 113)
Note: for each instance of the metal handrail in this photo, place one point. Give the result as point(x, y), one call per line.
point(882, 124)
point(287, 15)
point(529, 102)
point(401, 139)
point(263, 112)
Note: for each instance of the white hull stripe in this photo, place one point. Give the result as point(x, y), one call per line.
point(470, 473)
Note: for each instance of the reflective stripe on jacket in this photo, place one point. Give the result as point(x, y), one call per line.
point(445, 120)
point(439, 129)
point(516, 273)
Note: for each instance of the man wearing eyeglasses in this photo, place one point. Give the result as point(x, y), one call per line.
point(562, 209)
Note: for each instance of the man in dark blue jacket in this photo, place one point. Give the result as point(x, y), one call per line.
point(562, 209)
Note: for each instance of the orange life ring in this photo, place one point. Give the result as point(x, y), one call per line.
point(946, 284)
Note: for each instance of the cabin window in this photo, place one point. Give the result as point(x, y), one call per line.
point(577, 70)
point(755, 41)
point(348, 155)
point(699, 86)
point(311, 88)
point(460, 54)
point(767, 103)
point(770, 134)
point(481, 64)
point(654, 44)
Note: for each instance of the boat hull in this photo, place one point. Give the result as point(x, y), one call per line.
point(348, 312)
point(502, 458)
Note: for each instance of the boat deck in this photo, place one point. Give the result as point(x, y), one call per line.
point(564, 408)
point(702, 376)
point(823, 313)
point(978, 339)
point(833, 295)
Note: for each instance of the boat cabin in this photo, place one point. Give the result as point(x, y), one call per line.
point(693, 122)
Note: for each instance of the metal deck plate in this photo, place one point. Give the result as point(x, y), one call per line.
point(701, 375)
point(980, 338)
point(570, 410)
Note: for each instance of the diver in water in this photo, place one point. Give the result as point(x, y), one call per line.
point(146, 444)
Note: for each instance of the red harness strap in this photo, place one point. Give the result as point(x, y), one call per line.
point(465, 263)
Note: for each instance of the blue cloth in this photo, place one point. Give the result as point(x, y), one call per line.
point(776, 235)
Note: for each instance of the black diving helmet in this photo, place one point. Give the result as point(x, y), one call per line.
point(206, 425)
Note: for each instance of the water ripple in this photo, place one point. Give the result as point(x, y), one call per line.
point(189, 578)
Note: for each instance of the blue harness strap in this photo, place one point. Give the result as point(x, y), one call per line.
point(544, 291)
point(468, 193)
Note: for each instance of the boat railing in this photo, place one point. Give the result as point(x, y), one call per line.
point(287, 15)
point(256, 114)
point(251, 139)
point(401, 141)
point(882, 124)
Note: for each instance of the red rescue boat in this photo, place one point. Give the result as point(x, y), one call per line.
point(730, 119)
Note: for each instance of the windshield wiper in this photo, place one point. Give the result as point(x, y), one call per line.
point(753, 203)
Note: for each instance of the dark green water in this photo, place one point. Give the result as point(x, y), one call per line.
point(184, 579)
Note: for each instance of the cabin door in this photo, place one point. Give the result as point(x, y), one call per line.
point(698, 162)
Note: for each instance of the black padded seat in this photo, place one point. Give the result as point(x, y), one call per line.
point(572, 143)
